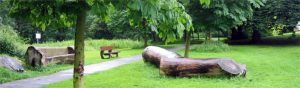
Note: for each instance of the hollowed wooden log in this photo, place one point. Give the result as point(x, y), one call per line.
point(172, 64)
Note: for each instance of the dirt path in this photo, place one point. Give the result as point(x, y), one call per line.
point(38, 82)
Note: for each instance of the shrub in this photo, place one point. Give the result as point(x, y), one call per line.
point(10, 42)
point(211, 46)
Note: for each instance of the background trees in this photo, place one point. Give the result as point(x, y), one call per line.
point(276, 17)
point(221, 15)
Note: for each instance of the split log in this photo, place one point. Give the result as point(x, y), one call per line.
point(153, 54)
point(42, 56)
point(172, 64)
point(185, 67)
point(11, 63)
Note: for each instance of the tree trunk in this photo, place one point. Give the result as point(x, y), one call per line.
point(145, 41)
point(187, 44)
point(153, 54)
point(256, 36)
point(79, 50)
point(198, 36)
point(218, 35)
point(209, 35)
point(185, 67)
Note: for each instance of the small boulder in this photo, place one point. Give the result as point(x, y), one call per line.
point(11, 63)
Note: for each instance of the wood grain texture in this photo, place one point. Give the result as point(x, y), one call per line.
point(172, 64)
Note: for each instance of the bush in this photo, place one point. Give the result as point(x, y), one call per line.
point(211, 46)
point(10, 42)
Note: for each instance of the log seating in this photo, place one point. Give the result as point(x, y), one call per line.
point(42, 56)
point(172, 64)
point(108, 51)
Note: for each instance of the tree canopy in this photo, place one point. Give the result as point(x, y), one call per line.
point(221, 14)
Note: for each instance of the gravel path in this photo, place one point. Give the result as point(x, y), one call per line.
point(38, 82)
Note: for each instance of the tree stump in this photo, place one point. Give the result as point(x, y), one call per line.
point(11, 63)
point(153, 54)
point(172, 64)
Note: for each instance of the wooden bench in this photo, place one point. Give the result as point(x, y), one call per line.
point(108, 51)
point(42, 56)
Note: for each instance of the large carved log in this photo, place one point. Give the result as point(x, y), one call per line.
point(172, 64)
point(185, 67)
point(153, 54)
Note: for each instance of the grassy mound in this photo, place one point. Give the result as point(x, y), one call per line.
point(211, 46)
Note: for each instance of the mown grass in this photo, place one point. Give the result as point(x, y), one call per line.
point(267, 67)
point(126, 47)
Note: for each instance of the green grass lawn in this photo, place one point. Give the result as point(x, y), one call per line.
point(267, 67)
point(91, 57)
point(127, 48)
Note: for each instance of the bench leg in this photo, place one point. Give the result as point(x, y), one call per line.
point(117, 55)
point(102, 57)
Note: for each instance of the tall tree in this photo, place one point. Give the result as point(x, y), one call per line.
point(44, 13)
point(221, 14)
point(167, 17)
point(284, 13)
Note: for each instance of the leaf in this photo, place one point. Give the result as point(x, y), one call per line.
point(205, 2)
point(43, 26)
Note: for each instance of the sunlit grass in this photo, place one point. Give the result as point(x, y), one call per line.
point(127, 48)
point(267, 67)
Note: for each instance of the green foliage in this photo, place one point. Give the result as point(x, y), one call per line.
point(165, 17)
point(10, 42)
point(276, 29)
point(45, 13)
point(285, 12)
point(221, 15)
point(211, 46)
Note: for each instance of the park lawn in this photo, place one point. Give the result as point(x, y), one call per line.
point(267, 67)
point(126, 47)
point(91, 57)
